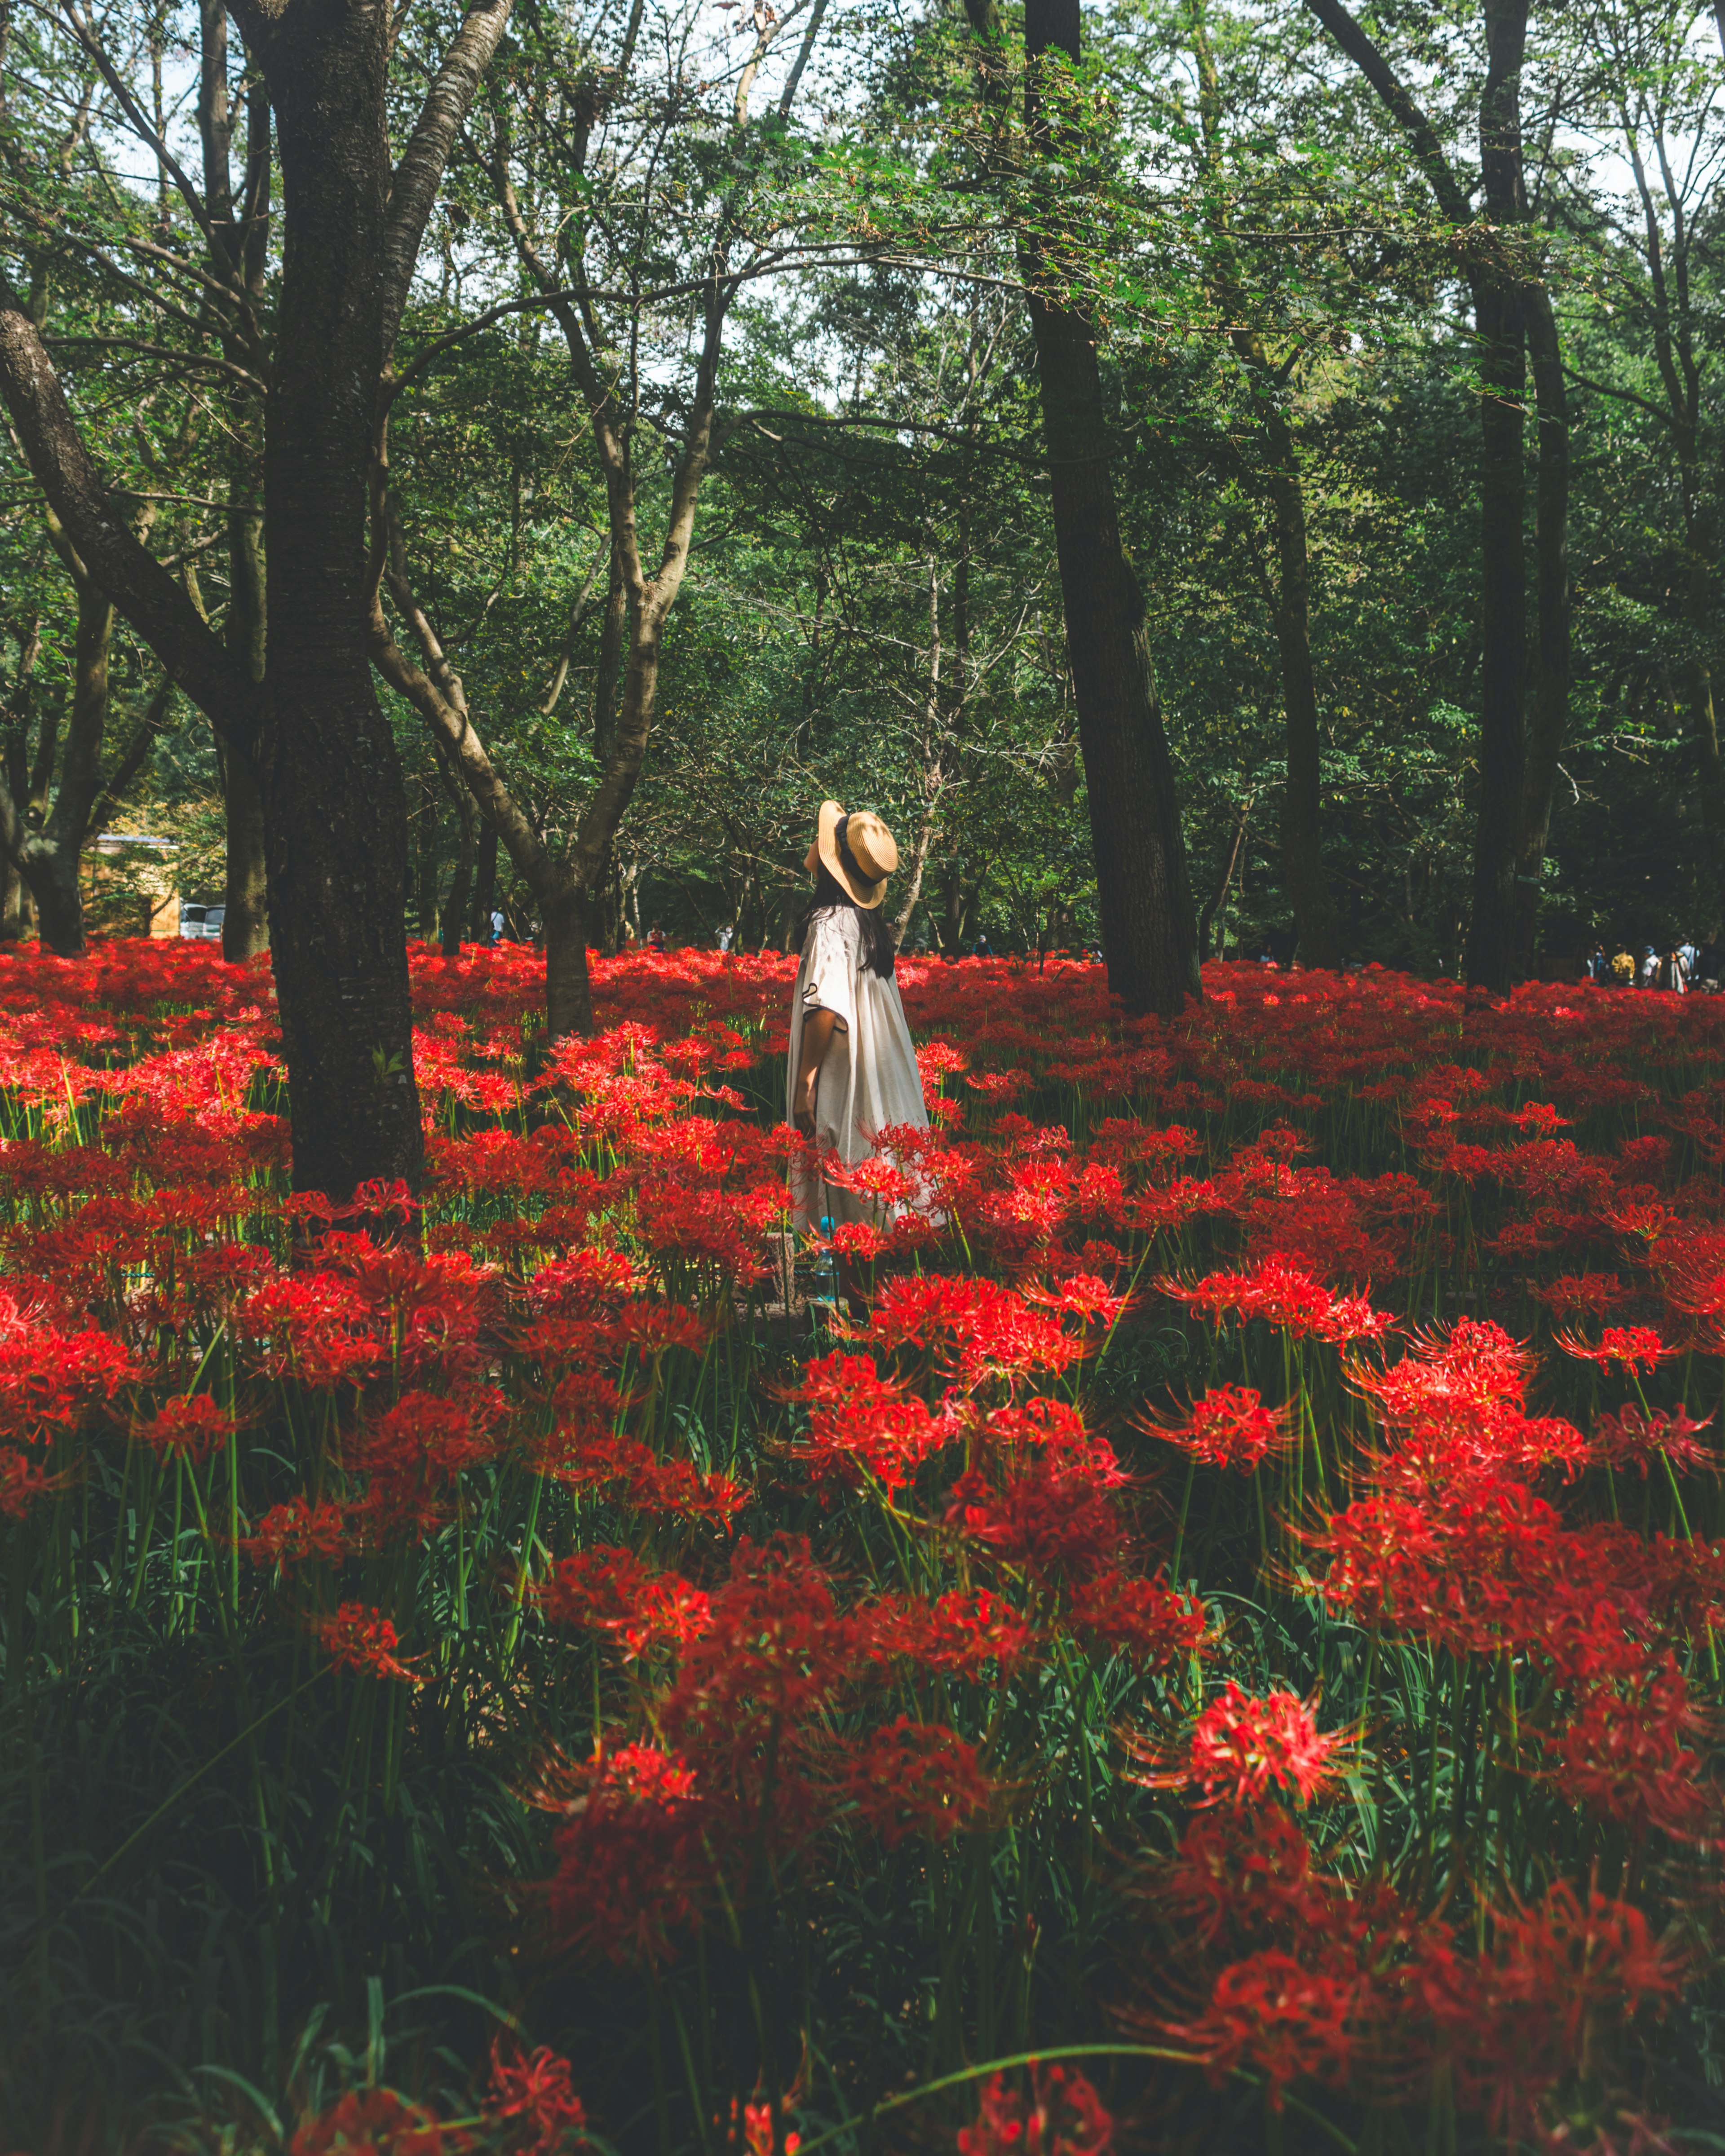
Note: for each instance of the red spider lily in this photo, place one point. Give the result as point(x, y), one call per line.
point(357, 1638)
point(861, 1424)
point(1576, 1294)
point(1560, 1975)
point(959, 1634)
point(1062, 2116)
point(187, 1427)
point(1630, 1439)
point(375, 2122)
point(1271, 2013)
point(1229, 1426)
point(532, 2099)
point(24, 1483)
point(634, 1865)
point(299, 1529)
point(752, 2131)
point(917, 1777)
point(1286, 1296)
point(50, 1380)
point(1623, 1754)
point(415, 1451)
point(1240, 1748)
point(1051, 1519)
point(611, 1590)
point(972, 1330)
point(1137, 1617)
point(1634, 1347)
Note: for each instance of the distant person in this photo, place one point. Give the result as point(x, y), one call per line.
point(655, 937)
point(1622, 971)
point(981, 948)
point(852, 1069)
point(497, 926)
point(1690, 954)
point(1649, 966)
point(1595, 967)
point(726, 936)
point(1672, 975)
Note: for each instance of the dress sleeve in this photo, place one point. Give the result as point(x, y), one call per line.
point(830, 981)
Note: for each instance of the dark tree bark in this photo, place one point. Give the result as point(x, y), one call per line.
point(1149, 932)
point(1317, 926)
point(1500, 314)
point(1551, 552)
point(484, 884)
point(1317, 930)
point(1509, 302)
point(1219, 897)
point(330, 785)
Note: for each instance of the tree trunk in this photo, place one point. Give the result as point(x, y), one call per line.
point(1503, 622)
point(466, 848)
point(1219, 896)
point(335, 811)
point(422, 824)
point(568, 990)
point(53, 875)
point(1148, 929)
point(245, 922)
point(1551, 552)
point(1317, 930)
point(484, 884)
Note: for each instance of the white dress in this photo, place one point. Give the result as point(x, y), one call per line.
point(869, 1080)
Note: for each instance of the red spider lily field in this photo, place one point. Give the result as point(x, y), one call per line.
point(1212, 1645)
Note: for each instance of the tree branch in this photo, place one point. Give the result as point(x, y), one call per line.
point(155, 605)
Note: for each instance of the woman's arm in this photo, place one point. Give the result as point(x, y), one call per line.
point(818, 1030)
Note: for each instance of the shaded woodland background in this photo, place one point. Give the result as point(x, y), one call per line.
point(872, 606)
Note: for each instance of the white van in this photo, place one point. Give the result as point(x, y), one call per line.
point(204, 922)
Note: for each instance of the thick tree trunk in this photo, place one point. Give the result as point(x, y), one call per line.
point(245, 923)
point(1317, 929)
point(1148, 930)
point(569, 988)
point(1503, 624)
point(1503, 636)
point(485, 885)
point(467, 818)
point(1551, 551)
point(334, 808)
point(53, 880)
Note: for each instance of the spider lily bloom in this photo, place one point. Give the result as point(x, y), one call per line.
point(1632, 1347)
point(293, 1532)
point(1287, 1297)
point(531, 2100)
point(362, 1639)
point(1062, 2116)
point(1240, 1748)
point(371, 2122)
point(1229, 1426)
point(1630, 1439)
point(1138, 1618)
point(957, 1635)
point(916, 1778)
point(187, 1427)
point(863, 1425)
point(632, 1860)
point(611, 1590)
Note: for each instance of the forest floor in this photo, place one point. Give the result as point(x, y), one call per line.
point(1235, 1618)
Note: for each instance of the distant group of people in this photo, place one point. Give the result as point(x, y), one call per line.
point(1677, 969)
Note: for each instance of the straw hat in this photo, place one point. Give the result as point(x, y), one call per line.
point(860, 852)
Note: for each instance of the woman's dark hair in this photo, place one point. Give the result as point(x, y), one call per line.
point(878, 951)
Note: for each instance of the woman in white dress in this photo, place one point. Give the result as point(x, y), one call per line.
point(852, 1071)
